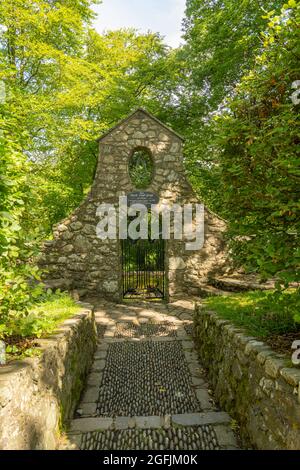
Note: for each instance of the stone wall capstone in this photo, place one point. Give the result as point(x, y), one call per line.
point(38, 395)
point(253, 384)
point(78, 259)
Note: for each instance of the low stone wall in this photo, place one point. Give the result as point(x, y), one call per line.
point(256, 386)
point(38, 395)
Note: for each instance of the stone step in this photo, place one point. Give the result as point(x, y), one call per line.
point(81, 425)
point(240, 284)
point(189, 431)
point(209, 291)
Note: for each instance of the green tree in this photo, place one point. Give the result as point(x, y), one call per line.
point(66, 86)
point(259, 146)
point(222, 39)
point(37, 39)
point(16, 248)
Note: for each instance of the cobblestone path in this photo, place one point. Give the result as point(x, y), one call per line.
point(146, 389)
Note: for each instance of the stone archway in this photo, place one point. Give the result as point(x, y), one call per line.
point(78, 259)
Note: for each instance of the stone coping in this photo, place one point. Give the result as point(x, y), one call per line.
point(38, 395)
point(275, 364)
point(258, 387)
point(81, 425)
point(64, 329)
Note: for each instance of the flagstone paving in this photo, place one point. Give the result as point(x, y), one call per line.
point(146, 388)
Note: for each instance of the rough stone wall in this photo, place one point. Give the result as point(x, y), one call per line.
point(76, 258)
point(38, 395)
point(255, 385)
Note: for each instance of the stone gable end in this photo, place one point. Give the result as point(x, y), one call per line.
point(77, 259)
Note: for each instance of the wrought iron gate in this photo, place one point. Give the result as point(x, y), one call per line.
point(143, 268)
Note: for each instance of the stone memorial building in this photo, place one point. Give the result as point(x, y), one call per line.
point(77, 259)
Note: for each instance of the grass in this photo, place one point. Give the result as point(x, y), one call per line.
point(21, 334)
point(262, 314)
point(47, 315)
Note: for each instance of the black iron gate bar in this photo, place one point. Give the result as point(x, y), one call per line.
point(143, 268)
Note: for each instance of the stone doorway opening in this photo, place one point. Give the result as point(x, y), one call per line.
point(143, 269)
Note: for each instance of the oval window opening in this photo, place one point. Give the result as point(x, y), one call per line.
point(141, 168)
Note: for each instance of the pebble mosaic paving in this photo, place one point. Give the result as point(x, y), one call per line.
point(145, 330)
point(146, 389)
point(185, 438)
point(147, 378)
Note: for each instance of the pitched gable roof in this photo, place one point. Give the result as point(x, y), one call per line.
point(136, 111)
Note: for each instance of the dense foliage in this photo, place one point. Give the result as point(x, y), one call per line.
point(20, 332)
point(222, 40)
point(259, 155)
point(16, 247)
point(64, 85)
